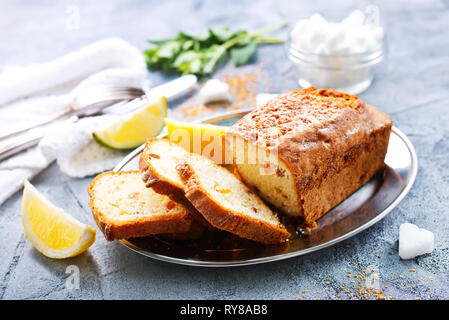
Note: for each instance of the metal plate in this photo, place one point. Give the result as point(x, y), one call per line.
point(362, 209)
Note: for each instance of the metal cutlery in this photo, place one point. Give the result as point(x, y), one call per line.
point(94, 101)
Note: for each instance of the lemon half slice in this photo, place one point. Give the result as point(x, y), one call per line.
point(50, 230)
point(132, 130)
point(201, 138)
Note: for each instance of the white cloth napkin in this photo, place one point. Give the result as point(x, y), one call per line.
point(28, 94)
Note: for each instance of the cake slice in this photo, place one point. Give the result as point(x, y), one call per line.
point(227, 204)
point(124, 208)
point(309, 149)
point(158, 163)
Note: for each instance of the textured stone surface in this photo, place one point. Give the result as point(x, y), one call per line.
point(412, 86)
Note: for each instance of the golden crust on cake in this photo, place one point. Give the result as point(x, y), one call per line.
point(322, 145)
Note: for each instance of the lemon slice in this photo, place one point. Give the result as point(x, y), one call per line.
point(133, 129)
point(50, 230)
point(201, 138)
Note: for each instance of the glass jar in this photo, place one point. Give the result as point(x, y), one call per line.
point(350, 73)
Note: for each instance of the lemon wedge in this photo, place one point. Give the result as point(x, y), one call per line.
point(201, 138)
point(132, 130)
point(50, 230)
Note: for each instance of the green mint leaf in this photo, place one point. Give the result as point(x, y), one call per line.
point(194, 66)
point(151, 59)
point(213, 56)
point(169, 49)
point(222, 34)
point(241, 55)
point(200, 37)
point(201, 53)
point(186, 58)
point(158, 42)
point(187, 45)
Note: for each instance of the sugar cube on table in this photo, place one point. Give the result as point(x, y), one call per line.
point(414, 241)
point(214, 90)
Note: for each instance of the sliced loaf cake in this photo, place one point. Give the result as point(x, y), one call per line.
point(227, 204)
point(307, 150)
point(167, 167)
point(124, 208)
point(158, 163)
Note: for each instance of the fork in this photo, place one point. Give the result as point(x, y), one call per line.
point(93, 101)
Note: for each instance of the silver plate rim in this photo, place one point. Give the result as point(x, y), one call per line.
point(197, 263)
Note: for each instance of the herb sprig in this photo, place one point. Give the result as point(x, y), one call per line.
point(200, 54)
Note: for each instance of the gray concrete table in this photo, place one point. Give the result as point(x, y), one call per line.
point(413, 87)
